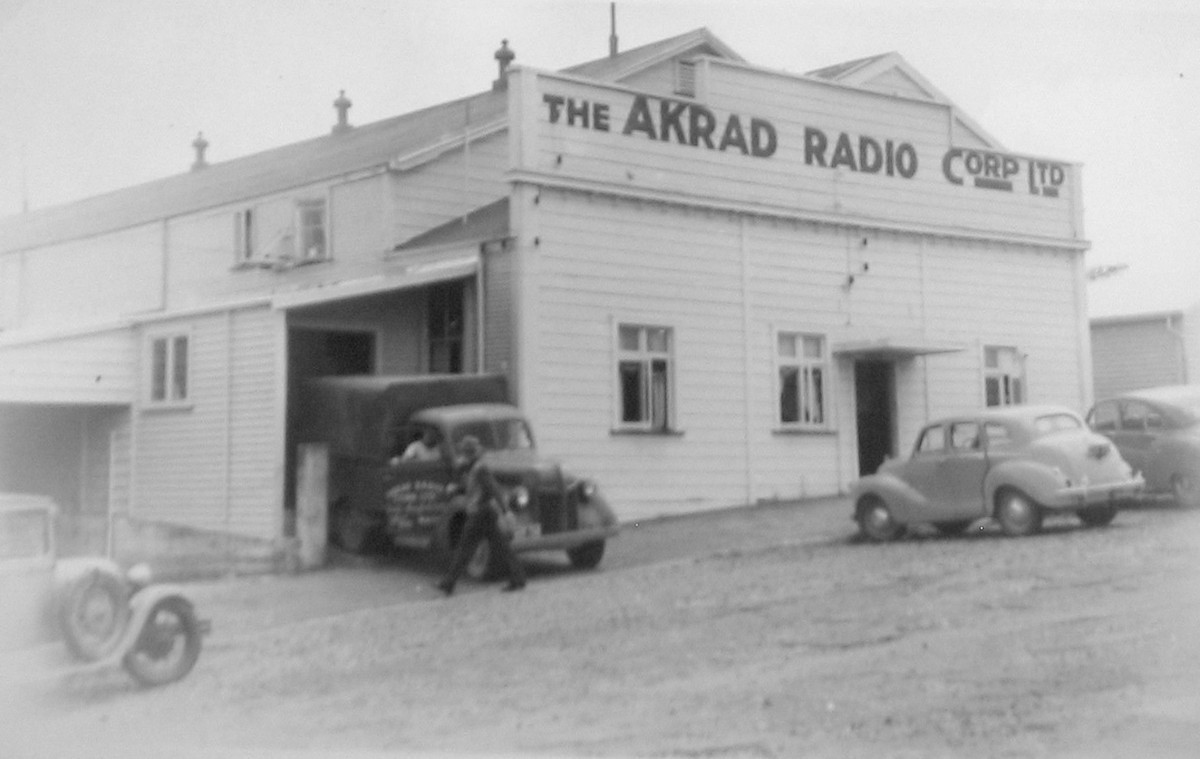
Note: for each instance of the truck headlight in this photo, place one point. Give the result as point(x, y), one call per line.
point(518, 497)
point(586, 490)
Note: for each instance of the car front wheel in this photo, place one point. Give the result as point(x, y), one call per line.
point(1186, 490)
point(875, 520)
point(94, 614)
point(1017, 513)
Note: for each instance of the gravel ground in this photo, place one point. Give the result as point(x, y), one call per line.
point(763, 632)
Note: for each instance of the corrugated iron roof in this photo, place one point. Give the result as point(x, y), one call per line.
point(311, 161)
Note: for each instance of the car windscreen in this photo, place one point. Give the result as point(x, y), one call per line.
point(496, 434)
point(1044, 425)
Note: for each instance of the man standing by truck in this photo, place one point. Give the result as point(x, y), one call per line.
point(484, 502)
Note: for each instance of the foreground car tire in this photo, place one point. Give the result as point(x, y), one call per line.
point(875, 520)
point(1017, 513)
point(94, 614)
point(1186, 491)
point(586, 556)
point(1097, 516)
point(168, 646)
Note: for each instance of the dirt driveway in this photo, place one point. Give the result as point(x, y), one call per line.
point(764, 632)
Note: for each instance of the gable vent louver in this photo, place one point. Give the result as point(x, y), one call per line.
point(685, 78)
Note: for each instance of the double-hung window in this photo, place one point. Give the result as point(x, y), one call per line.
point(645, 377)
point(169, 366)
point(1003, 376)
point(803, 369)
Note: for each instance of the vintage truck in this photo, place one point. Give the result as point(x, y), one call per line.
point(377, 496)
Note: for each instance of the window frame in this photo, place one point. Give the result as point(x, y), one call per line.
point(646, 358)
point(174, 394)
point(1011, 388)
point(804, 369)
point(288, 244)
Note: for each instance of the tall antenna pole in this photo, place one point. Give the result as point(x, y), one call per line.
point(612, 38)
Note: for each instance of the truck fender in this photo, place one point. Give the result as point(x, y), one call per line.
point(596, 512)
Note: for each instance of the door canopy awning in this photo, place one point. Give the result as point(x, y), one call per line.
point(891, 348)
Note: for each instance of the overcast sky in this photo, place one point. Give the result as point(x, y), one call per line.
point(99, 95)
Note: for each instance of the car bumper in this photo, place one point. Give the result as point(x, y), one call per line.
point(1078, 496)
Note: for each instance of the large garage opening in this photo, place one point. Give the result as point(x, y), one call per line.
point(875, 399)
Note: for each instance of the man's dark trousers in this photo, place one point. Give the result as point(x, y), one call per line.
point(484, 525)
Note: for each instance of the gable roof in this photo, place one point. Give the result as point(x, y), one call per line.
point(696, 42)
point(890, 74)
point(303, 163)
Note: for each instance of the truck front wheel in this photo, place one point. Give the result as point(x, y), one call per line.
point(586, 556)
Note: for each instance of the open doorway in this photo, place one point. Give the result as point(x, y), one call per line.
point(314, 352)
point(874, 396)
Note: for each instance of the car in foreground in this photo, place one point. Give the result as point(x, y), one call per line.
point(1013, 464)
point(104, 615)
point(1157, 430)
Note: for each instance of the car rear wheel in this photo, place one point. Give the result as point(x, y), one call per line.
point(1186, 490)
point(1097, 516)
point(1017, 513)
point(875, 520)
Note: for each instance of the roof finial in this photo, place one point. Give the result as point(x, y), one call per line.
point(200, 145)
point(503, 56)
point(342, 104)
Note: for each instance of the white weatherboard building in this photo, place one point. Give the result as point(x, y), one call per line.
point(709, 283)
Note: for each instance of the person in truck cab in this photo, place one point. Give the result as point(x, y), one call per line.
point(484, 502)
point(425, 448)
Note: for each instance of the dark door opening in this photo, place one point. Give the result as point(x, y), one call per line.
point(873, 395)
point(318, 353)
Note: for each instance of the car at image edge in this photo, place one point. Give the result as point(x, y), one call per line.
point(1157, 430)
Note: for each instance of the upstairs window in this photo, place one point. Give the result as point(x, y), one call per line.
point(169, 367)
point(645, 377)
point(281, 234)
point(310, 229)
point(1003, 376)
point(802, 374)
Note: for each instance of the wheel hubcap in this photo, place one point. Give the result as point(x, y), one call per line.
point(878, 519)
point(1019, 510)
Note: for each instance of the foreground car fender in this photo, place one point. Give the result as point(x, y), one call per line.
point(1036, 480)
point(904, 502)
point(163, 640)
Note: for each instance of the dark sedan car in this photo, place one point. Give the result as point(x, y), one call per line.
point(1157, 431)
